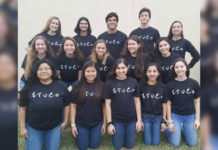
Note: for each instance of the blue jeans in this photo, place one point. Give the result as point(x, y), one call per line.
point(37, 138)
point(182, 123)
point(152, 127)
point(88, 137)
point(214, 141)
point(125, 135)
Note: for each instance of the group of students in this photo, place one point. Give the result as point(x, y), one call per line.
point(119, 84)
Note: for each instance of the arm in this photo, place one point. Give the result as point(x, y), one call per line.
point(138, 113)
point(163, 125)
point(111, 129)
point(79, 75)
point(58, 73)
point(66, 116)
point(197, 113)
point(22, 118)
point(205, 133)
point(170, 121)
point(194, 53)
point(72, 119)
point(103, 129)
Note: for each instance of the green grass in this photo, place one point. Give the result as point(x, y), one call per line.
point(67, 143)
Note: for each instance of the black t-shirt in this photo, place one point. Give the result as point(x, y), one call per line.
point(114, 42)
point(152, 97)
point(45, 104)
point(122, 93)
point(209, 106)
point(149, 37)
point(89, 113)
point(85, 43)
point(104, 69)
point(181, 46)
point(69, 67)
point(8, 116)
point(25, 60)
point(53, 40)
point(166, 64)
point(131, 64)
point(182, 95)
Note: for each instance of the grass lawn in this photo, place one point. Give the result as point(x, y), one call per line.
point(67, 143)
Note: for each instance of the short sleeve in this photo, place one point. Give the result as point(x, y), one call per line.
point(168, 92)
point(73, 96)
point(157, 35)
point(57, 62)
point(81, 63)
point(107, 93)
point(165, 99)
point(197, 90)
point(23, 101)
point(66, 99)
point(137, 90)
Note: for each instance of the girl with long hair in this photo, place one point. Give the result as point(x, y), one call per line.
point(87, 108)
point(102, 57)
point(123, 107)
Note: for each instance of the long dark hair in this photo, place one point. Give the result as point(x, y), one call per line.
point(112, 73)
point(158, 54)
point(173, 73)
point(77, 53)
point(77, 28)
point(170, 35)
point(140, 58)
point(33, 79)
point(80, 89)
point(145, 78)
point(144, 81)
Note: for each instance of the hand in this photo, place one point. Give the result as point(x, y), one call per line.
point(23, 132)
point(111, 129)
point(196, 124)
point(74, 131)
point(171, 127)
point(103, 128)
point(163, 127)
point(139, 125)
point(63, 126)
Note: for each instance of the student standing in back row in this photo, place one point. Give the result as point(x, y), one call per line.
point(84, 39)
point(52, 33)
point(181, 45)
point(146, 33)
point(114, 38)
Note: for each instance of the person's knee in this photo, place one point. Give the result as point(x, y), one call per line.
point(191, 143)
point(175, 143)
point(94, 145)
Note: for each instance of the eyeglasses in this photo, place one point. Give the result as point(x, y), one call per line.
point(44, 69)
